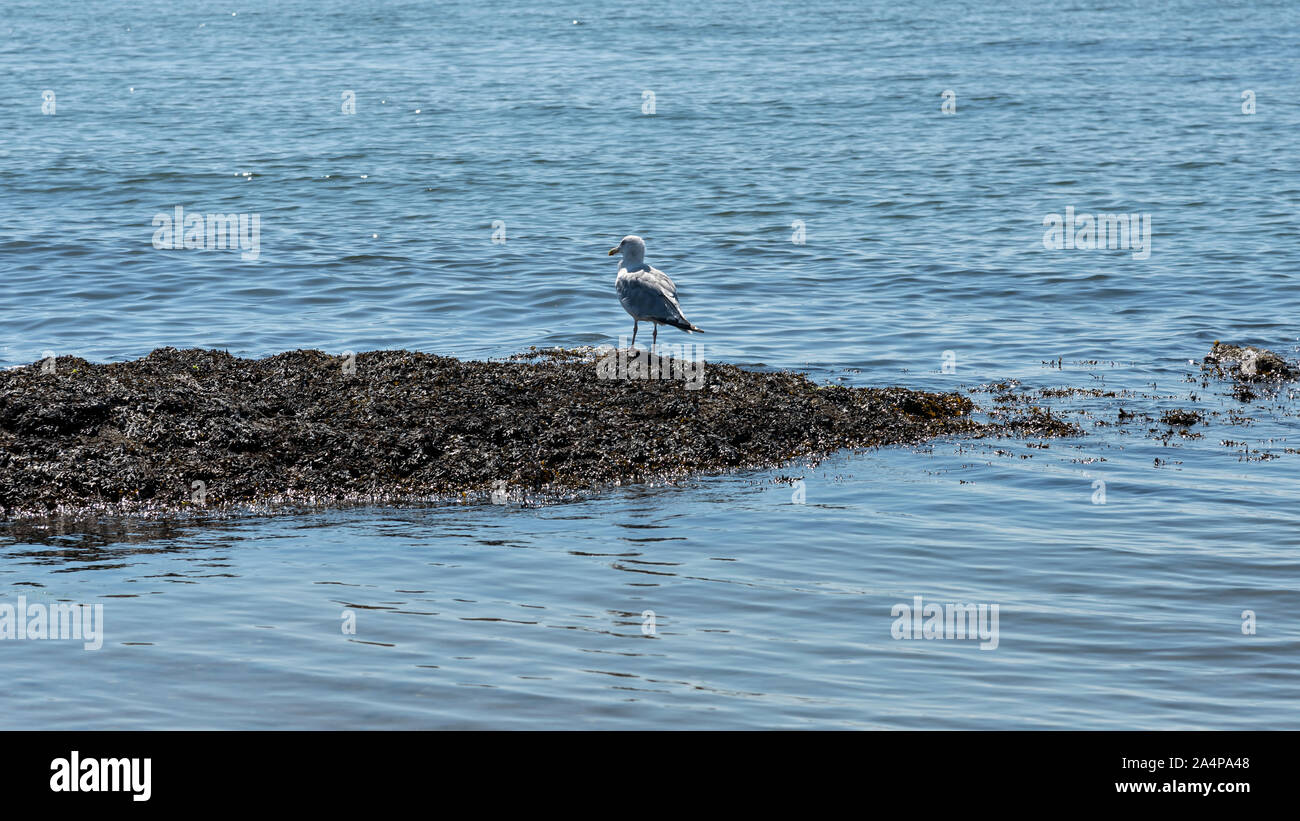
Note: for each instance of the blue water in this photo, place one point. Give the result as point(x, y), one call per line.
point(923, 235)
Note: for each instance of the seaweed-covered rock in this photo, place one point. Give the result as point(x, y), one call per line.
point(1247, 364)
point(1180, 418)
point(201, 429)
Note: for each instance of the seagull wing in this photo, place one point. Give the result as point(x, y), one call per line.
point(649, 294)
point(662, 282)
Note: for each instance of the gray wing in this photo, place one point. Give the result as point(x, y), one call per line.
point(649, 294)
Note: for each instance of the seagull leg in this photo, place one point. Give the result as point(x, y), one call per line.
point(632, 347)
point(654, 339)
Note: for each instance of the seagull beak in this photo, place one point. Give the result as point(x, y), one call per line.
point(612, 252)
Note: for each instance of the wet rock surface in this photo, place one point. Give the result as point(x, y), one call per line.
point(200, 430)
point(1248, 364)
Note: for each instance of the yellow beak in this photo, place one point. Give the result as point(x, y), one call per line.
point(612, 252)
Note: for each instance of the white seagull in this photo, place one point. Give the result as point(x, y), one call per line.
point(646, 293)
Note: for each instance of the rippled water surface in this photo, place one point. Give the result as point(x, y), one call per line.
point(923, 246)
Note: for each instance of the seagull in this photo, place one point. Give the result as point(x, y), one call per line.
point(646, 293)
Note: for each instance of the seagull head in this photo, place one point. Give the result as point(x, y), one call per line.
point(632, 248)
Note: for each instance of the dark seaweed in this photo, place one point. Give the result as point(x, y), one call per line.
point(184, 430)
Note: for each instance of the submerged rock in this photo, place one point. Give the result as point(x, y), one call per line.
point(1180, 418)
point(1248, 364)
point(201, 429)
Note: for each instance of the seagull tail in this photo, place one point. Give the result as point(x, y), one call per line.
point(687, 326)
